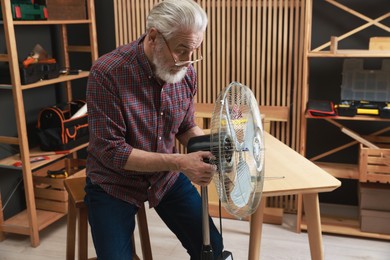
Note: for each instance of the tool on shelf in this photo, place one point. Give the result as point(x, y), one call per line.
point(38, 55)
point(61, 173)
point(32, 160)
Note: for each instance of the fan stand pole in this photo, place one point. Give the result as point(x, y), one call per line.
point(207, 250)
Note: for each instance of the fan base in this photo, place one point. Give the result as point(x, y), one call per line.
point(207, 254)
point(226, 255)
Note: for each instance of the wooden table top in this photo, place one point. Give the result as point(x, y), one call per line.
point(299, 174)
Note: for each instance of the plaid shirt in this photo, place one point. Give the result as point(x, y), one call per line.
point(128, 108)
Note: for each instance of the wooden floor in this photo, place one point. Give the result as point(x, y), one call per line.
point(278, 242)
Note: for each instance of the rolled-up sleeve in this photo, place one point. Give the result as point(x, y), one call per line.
point(107, 127)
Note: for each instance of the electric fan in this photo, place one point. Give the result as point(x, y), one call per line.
point(237, 143)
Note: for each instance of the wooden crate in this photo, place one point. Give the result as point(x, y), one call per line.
point(50, 193)
point(66, 9)
point(379, 43)
point(374, 163)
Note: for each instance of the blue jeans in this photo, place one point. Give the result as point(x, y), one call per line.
point(112, 221)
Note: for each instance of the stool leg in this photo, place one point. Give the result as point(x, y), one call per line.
point(71, 232)
point(135, 256)
point(144, 233)
point(83, 233)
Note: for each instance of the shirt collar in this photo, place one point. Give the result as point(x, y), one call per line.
point(142, 59)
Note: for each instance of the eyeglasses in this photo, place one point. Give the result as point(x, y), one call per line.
point(180, 63)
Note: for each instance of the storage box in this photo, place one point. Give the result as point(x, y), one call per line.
point(359, 83)
point(346, 108)
point(50, 193)
point(374, 196)
point(27, 10)
point(374, 164)
point(66, 9)
point(384, 112)
point(375, 221)
point(38, 71)
point(31, 74)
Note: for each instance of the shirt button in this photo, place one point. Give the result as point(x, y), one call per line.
point(159, 138)
point(162, 113)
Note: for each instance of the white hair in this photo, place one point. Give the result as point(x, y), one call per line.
point(172, 16)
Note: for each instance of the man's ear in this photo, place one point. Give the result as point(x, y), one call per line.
point(152, 35)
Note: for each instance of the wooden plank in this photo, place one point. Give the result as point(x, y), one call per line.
point(4, 57)
point(340, 170)
point(379, 43)
point(19, 223)
point(344, 226)
point(358, 14)
point(58, 195)
point(271, 215)
point(272, 113)
point(51, 205)
point(357, 29)
point(9, 140)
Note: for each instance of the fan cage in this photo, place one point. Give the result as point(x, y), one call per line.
point(237, 143)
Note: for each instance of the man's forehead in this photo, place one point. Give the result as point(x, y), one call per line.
point(188, 39)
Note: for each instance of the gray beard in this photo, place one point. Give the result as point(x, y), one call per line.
point(163, 72)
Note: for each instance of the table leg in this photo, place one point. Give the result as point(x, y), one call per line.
point(312, 212)
point(256, 225)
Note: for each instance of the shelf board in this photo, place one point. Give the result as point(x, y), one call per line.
point(4, 57)
point(49, 22)
point(5, 86)
point(340, 170)
point(62, 78)
point(344, 226)
point(19, 223)
point(342, 220)
point(353, 118)
point(350, 54)
point(9, 161)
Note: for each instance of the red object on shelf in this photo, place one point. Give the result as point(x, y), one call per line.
point(32, 160)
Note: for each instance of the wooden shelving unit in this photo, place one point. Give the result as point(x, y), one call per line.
point(335, 224)
point(32, 220)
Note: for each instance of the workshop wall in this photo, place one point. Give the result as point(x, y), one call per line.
point(327, 88)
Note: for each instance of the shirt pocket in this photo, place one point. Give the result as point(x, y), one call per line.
point(176, 113)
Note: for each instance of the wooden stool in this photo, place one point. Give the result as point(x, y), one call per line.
point(76, 206)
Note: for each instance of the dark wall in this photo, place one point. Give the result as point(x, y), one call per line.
point(105, 26)
point(10, 187)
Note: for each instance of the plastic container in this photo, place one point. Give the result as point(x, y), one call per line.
point(369, 85)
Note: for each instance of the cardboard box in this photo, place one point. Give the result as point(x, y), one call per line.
point(375, 196)
point(375, 221)
point(66, 9)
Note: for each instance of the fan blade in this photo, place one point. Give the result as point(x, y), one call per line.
point(242, 187)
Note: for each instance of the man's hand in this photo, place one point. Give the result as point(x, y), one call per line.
point(194, 167)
